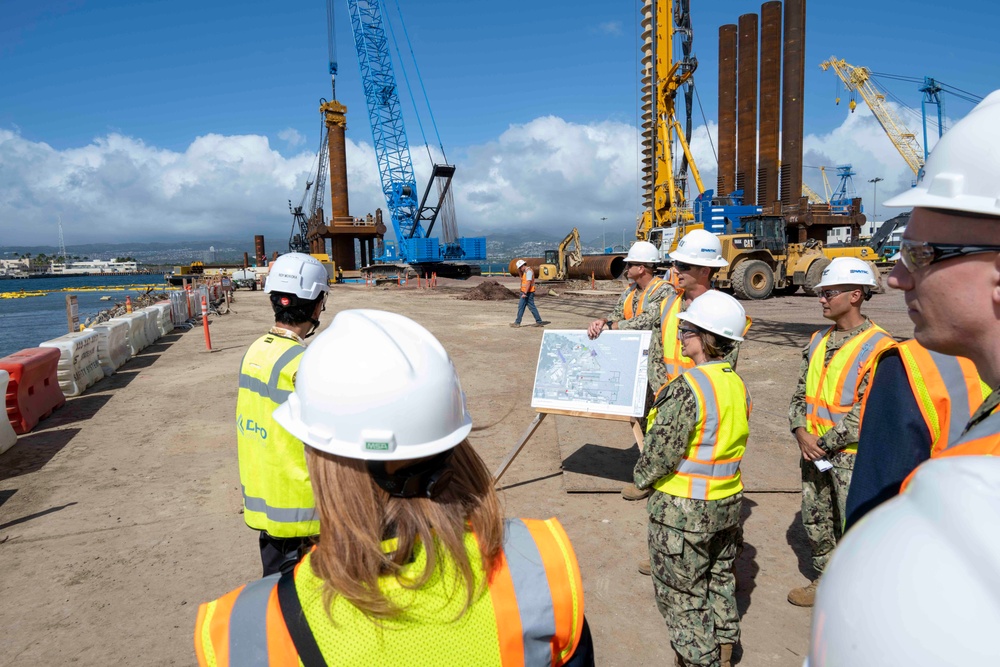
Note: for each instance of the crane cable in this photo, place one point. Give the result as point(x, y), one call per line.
point(331, 44)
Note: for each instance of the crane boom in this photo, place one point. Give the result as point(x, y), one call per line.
point(859, 79)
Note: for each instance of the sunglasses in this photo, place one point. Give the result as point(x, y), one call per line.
point(683, 332)
point(918, 255)
point(681, 266)
point(830, 293)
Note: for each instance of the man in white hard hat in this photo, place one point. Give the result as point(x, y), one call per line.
point(826, 406)
point(914, 583)
point(527, 295)
point(277, 496)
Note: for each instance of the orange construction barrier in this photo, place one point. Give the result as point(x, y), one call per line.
point(33, 392)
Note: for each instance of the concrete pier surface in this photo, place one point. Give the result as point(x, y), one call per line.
point(122, 512)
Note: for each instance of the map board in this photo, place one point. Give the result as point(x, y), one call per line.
point(602, 376)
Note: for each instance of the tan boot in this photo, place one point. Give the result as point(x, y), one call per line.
point(726, 655)
point(645, 567)
point(804, 596)
point(632, 492)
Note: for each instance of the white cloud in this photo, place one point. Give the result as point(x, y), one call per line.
point(547, 175)
point(292, 137)
point(611, 28)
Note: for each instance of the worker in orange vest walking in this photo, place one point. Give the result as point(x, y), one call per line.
point(415, 564)
point(826, 407)
point(932, 552)
point(527, 297)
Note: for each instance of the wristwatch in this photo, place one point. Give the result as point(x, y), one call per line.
point(608, 323)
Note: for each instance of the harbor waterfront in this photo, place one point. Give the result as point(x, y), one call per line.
point(26, 322)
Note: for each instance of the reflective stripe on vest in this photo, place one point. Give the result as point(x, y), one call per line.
point(983, 439)
point(831, 390)
point(673, 359)
point(948, 390)
point(527, 281)
point(277, 493)
point(531, 613)
point(710, 469)
point(643, 297)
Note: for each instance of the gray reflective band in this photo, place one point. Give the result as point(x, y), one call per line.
point(248, 624)
point(848, 394)
point(720, 470)
point(710, 408)
point(270, 390)
point(823, 412)
point(279, 514)
point(815, 341)
point(699, 488)
point(958, 393)
point(531, 588)
point(667, 304)
point(987, 427)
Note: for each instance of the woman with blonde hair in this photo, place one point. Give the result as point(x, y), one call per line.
point(415, 564)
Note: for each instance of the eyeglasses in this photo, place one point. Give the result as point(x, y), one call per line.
point(918, 255)
point(830, 293)
point(684, 333)
point(681, 266)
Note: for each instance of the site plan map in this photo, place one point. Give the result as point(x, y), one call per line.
point(602, 376)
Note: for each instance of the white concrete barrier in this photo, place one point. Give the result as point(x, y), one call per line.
point(136, 335)
point(79, 364)
point(166, 322)
point(112, 345)
point(152, 324)
point(7, 435)
point(178, 307)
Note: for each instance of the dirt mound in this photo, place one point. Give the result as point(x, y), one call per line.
point(488, 290)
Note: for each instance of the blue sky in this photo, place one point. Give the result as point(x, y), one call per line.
point(126, 89)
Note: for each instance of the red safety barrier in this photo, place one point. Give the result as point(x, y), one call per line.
point(33, 393)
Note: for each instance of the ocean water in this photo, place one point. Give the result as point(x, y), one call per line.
point(27, 322)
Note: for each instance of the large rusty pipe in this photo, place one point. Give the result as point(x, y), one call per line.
point(792, 108)
point(746, 118)
point(335, 115)
point(726, 181)
point(258, 249)
point(770, 102)
point(603, 267)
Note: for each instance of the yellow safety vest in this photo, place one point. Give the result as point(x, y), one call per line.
point(674, 360)
point(710, 469)
point(832, 390)
point(277, 493)
point(628, 310)
point(527, 612)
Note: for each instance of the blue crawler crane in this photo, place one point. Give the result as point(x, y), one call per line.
point(412, 220)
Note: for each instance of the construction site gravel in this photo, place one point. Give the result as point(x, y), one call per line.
point(122, 512)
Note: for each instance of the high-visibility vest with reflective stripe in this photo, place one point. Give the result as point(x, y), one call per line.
point(527, 281)
point(673, 359)
point(634, 311)
point(948, 390)
point(831, 390)
point(983, 439)
point(529, 612)
point(710, 469)
point(277, 493)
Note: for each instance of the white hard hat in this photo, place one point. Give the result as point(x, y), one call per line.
point(700, 248)
point(963, 171)
point(520, 263)
point(642, 252)
point(916, 581)
point(718, 313)
point(376, 386)
point(848, 271)
point(299, 274)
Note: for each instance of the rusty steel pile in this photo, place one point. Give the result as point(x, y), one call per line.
point(600, 267)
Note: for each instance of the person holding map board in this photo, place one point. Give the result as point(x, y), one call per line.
point(698, 430)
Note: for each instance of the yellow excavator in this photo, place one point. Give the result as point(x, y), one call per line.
point(558, 262)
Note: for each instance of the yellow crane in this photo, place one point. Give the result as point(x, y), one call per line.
point(859, 79)
point(662, 77)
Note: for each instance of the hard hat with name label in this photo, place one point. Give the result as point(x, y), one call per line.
point(963, 171)
point(718, 313)
point(848, 271)
point(915, 581)
point(376, 386)
point(642, 252)
point(299, 274)
point(520, 263)
point(700, 248)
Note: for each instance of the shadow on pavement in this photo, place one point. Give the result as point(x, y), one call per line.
point(33, 451)
point(604, 462)
point(36, 515)
point(746, 567)
point(799, 542)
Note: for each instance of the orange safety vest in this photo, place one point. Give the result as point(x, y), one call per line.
point(527, 281)
point(948, 390)
point(630, 311)
point(673, 359)
point(832, 389)
point(531, 613)
point(983, 439)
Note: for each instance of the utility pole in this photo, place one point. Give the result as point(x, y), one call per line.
point(604, 235)
point(875, 181)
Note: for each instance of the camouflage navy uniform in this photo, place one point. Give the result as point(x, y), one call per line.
point(692, 543)
point(824, 494)
point(649, 319)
